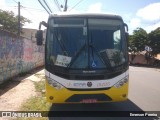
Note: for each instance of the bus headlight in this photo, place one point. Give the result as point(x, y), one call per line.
point(54, 84)
point(121, 82)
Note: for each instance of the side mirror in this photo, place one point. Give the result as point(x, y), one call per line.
point(126, 26)
point(39, 34)
point(39, 37)
point(42, 23)
point(126, 33)
point(127, 36)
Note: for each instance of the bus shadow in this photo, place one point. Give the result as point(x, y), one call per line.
point(103, 107)
point(16, 80)
point(110, 106)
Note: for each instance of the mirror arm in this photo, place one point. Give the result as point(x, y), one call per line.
point(126, 26)
point(43, 23)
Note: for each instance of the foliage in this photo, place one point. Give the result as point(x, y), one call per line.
point(138, 40)
point(40, 86)
point(9, 21)
point(154, 41)
point(37, 103)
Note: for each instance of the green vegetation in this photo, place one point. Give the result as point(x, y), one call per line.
point(9, 21)
point(141, 38)
point(40, 86)
point(154, 40)
point(138, 40)
point(36, 103)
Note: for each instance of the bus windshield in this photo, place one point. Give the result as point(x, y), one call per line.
point(80, 43)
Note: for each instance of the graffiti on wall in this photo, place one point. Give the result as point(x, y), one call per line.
point(10, 48)
point(18, 55)
point(28, 50)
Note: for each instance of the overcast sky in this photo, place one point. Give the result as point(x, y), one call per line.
point(136, 13)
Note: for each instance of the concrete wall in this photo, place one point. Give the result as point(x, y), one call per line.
point(138, 59)
point(18, 55)
point(29, 33)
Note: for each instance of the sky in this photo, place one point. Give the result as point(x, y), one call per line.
point(136, 13)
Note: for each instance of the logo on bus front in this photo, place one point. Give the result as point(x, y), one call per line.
point(89, 84)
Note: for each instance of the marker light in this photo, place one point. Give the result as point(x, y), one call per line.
point(54, 83)
point(121, 82)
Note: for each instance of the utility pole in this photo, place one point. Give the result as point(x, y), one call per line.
point(65, 6)
point(19, 21)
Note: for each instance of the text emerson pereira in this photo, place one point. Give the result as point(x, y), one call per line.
point(143, 114)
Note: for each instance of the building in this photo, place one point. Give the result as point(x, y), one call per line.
point(31, 34)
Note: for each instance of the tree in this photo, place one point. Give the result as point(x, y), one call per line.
point(154, 41)
point(132, 47)
point(138, 40)
point(9, 21)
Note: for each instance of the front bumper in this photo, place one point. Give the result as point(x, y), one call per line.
point(65, 95)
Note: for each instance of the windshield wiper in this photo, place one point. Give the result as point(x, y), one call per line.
point(77, 54)
point(61, 44)
point(104, 59)
point(104, 56)
point(106, 62)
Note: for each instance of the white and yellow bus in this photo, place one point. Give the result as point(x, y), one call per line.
point(86, 58)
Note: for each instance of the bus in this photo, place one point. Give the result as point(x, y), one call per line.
point(86, 58)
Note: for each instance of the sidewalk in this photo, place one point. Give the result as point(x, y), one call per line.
point(18, 90)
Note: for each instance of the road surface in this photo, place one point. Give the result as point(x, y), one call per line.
point(144, 88)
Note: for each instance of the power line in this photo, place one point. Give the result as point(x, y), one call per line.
point(52, 5)
point(57, 4)
point(34, 18)
point(33, 9)
point(27, 10)
point(76, 5)
point(43, 6)
point(47, 6)
point(15, 1)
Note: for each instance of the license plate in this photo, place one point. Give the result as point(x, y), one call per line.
point(89, 101)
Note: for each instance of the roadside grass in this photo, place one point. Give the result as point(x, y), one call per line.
point(36, 103)
point(40, 87)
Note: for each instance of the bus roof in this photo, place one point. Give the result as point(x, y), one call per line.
point(89, 15)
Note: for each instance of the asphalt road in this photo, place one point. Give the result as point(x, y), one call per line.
point(144, 95)
point(144, 88)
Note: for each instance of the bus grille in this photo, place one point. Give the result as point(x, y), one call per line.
point(90, 77)
point(80, 77)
